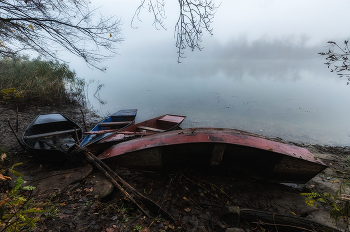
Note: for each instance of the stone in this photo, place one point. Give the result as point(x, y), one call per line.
point(102, 187)
point(231, 216)
point(55, 182)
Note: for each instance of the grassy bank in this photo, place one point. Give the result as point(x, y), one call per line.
point(38, 81)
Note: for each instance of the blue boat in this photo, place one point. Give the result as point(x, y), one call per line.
point(110, 125)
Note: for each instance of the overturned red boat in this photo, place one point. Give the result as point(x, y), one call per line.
point(223, 149)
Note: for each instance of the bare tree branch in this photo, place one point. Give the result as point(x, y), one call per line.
point(194, 17)
point(47, 26)
point(338, 62)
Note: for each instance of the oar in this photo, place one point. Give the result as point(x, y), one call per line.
point(91, 159)
point(151, 205)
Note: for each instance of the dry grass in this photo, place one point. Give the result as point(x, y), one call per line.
point(39, 81)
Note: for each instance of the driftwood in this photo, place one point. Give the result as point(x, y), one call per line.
point(113, 177)
point(291, 223)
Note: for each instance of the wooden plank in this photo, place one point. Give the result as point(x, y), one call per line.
point(172, 118)
point(114, 130)
point(103, 124)
point(217, 154)
point(150, 129)
point(49, 134)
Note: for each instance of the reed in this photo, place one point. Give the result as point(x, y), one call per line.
point(39, 81)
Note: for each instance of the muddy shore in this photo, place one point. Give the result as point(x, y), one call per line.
point(194, 198)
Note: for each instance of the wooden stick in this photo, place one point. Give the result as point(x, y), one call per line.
point(16, 135)
point(152, 206)
point(76, 135)
point(270, 218)
point(113, 130)
point(17, 118)
point(83, 119)
point(109, 124)
point(91, 159)
point(49, 134)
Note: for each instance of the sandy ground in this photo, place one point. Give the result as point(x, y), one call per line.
point(194, 198)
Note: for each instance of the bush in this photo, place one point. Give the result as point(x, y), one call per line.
point(22, 79)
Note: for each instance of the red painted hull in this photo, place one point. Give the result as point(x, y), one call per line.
point(171, 122)
point(224, 148)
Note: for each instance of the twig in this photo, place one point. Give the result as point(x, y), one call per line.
point(83, 119)
point(16, 135)
point(273, 224)
point(17, 118)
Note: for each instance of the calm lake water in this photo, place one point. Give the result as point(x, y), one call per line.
point(296, 100)
point(260, 71)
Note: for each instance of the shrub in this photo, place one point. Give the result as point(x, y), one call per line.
point(22, 79)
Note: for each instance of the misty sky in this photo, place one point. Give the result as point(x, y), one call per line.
point(296, 21)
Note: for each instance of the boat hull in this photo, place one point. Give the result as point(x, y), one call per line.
point(156, 125)
point(221, 149)
point(52, 137)
point(128, 115)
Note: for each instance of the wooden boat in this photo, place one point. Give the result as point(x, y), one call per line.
point(108, 126)
point(152, 126)
point(52, 136)
point(221, 149)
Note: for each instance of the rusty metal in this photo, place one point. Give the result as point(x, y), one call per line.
point(274, 160)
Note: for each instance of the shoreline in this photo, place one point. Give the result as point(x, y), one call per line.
point(244, 193)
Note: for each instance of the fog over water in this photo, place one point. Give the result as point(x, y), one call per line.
point(259, 77)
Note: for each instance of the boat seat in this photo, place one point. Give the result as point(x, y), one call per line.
point(105, 124)
point(150, 129)
point(50, 134)
point(171, 118)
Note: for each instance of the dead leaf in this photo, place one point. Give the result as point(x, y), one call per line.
point(185, 198)
point(188, 210)
point(3, 156)
point(110, 230)
point(4, 178)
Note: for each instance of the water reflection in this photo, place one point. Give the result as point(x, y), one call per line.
point(288, 97)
